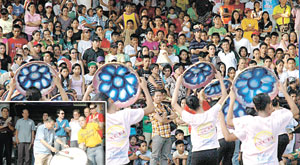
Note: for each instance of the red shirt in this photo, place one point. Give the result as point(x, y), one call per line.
point(13, 44)
point(105, 44)
point(100, 118)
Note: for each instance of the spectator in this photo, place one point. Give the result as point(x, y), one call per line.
point(24, 137)
point(74, 127)
point(32, 20)
point(61, 128)
point(6, 133)
point(249, 25)
point(143, 154)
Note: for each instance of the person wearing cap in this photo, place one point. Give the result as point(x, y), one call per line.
point(5, 22)
point(217, 28)
point(240, 41)
point(92, 53)
point(249, 25)
point(113, 56)
point(26, 55)
point(281, 13)
point(49, 12)
point(85, 42)
point(32, 20)
point(92, 67)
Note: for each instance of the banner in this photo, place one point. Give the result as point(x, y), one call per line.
point(268, 5)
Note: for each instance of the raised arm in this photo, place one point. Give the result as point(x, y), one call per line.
point(150, 106)
point(223, 88)
point(174, 103)
point(227, 135)
point(230, 109)
point(293, 106)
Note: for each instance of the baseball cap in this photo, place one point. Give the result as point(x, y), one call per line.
point(45, 20)
point(48, 4)
point(112, 58)
point(60, 62)
point(113, 45)
point(255, 33)
point(100, 59)
point(25, 47)
point(91, 63)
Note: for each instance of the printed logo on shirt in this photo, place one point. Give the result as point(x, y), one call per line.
point(263, 140)
point(206, 130)
point(116, 135)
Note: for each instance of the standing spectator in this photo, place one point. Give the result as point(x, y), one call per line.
point(88, 137)
point(281, 13)
point(77, 81)
point(32, 20)
point(249, 25)
point(15, 42)
point(24, 137)
point(240, 41)
point(197, 45)
point(161, 130)
point(74, 127)
point(92, 53)
point(6, 133)
point(84, 43)
point(5, 22)
point(96, 117)
point(61, 128)
point(100, 18)
point(45, 135)
point(129, 15)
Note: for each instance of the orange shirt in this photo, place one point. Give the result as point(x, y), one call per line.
point(226, 9)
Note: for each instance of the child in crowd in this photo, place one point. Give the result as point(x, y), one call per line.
point(143, 154)
point(180, 155)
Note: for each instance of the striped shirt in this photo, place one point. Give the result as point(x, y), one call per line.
point(158, 128)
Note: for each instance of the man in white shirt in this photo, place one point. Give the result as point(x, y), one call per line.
point(227, 56)
point(292, 71)
point(118, 127)
point(240, 41)
point(259, 134)
point(75, 127)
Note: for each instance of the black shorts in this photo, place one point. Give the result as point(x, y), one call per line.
point(283, 141)
point(205, 157)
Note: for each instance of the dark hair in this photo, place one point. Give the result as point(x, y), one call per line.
point(75, 66)
point(178, 131)
point(141, 142)
point(274, 34)
point(262, 20)
point(261, 101)
point(4, 108)
point(33, 94)
point(241, 48)
point(230, 69)
point(17, 20)
point(130, 20)
point(233, 20)
point(152, 66)
point(168, 66)
point(192, 102)
point(58, 111)
point(263, 44)
point(16, 26)
point(218, 67)
point(292, 91)
point(31, 3)
point(291, 45)
point(266, 58)
point(253, 62)
point(291, 59)
point(17, 56)
point(177, 142)
point(62, 77)
point(80, 8)
point(176, 66)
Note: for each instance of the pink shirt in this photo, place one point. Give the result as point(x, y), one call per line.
point(31, 18)
point(296, 13)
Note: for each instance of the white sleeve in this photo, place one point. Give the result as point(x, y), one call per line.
point(281, 118)
point(135, 115)
point(240, 127)
point(187, 117)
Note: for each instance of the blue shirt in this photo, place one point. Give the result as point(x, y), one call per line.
point(61, 131)
point(45, 134)
point(25, 128)
point(18, 10)
point(141, 161)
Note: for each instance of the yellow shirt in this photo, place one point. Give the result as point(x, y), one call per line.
point(249, 23)
point(285, 10)
point(89, 135)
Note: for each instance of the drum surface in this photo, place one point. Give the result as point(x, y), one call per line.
point(252, 81)
point(59, 98)
point(198, 75)
point(238, 109)
point(118, 82)
point(70, 156)
point(18, 97)
point(35, 74)
point(213, 89)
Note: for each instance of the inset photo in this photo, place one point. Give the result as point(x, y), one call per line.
point(52, 133)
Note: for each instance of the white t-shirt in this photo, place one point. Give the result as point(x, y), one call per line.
point(259, 136)
point(203, 132)
point(118, 132)
point(243, 42)
point(75, 127)
point(228, 59)
point(251, 50)
point(176, 153)
point(294, 73)
point(129, 50)
point(84, 45)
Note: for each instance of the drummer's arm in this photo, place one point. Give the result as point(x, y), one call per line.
point(291, 103)
point(48, 146)
point(150, 106)
point(61, 143)
point(62, 92)
point(82, 146)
